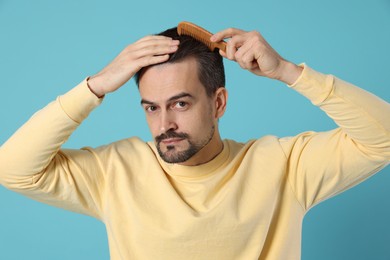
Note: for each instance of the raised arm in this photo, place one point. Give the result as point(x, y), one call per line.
point(321, 165)
point(31, 161)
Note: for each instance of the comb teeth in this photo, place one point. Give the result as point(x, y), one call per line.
point(197, 37)
point(200, 34)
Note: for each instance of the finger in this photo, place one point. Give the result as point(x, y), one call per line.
point(155, 47)
point(232, 46)
point(158, 41)
point(222, 53)
point(247, 60)
point(154, 37)
point(151, 60)
point(239, 57)
point(244, 55)
point(227, 33)
point(153, 42)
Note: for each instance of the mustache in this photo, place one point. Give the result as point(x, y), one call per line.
point(170, 134)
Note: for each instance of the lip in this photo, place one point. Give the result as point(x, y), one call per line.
point(170, 141)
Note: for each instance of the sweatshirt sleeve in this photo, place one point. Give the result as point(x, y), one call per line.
point(32, 163)
point(321, 165)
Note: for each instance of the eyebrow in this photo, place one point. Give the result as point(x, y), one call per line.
point(178, 96)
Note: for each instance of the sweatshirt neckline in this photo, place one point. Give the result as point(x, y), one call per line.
point(197, 171)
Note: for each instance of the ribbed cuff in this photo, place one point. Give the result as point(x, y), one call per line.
point(79, 102)
point(313, 85)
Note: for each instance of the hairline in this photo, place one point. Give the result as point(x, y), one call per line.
point(144, 69)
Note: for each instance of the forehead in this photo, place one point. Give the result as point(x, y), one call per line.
point(160, 82)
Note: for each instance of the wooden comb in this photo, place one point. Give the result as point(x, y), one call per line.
point(200, 34)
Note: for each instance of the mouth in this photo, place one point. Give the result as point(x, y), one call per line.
point(171, 141)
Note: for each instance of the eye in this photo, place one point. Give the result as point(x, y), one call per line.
point(180, 104)
point(150, 108)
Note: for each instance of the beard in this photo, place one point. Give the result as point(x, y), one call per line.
point(173, 155)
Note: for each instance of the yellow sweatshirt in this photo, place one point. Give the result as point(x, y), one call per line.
point(247, 203)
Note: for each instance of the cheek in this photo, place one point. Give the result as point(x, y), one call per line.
point(152, 124)
point(207, 115)
point(198, 122)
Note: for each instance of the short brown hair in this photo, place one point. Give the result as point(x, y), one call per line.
point(211, 70)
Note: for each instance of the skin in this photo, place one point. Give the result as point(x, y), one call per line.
point(144, 52)
point(253, 53)
point(180, 115)
point(175, 101)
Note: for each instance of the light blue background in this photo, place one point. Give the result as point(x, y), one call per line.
point(47, 47)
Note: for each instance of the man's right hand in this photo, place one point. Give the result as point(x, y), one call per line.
point(144, 52)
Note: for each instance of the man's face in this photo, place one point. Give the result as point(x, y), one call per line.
point(180, 115)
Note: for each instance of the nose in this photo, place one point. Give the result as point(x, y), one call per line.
point(167, 122)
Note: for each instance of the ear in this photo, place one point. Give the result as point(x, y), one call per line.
point(220, 101)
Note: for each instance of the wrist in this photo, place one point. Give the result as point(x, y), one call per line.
point(93, 85)
point(289, 72)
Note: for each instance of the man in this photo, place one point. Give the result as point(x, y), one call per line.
point(190, 194)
